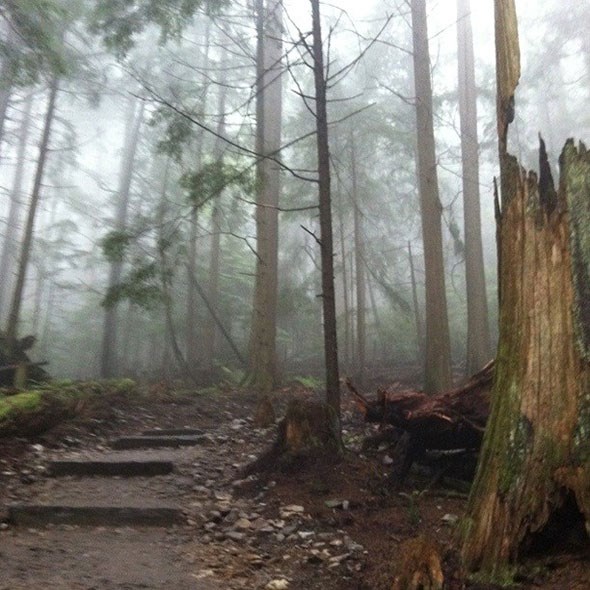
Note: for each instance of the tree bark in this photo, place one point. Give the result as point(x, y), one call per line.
point(263, 361)
point(325, 207)
point(438, 347)
point(535, 459)
point(478, 330)
point(27, 240)
point(109, 338)
point(359, 264)
point(6, 84)
point(345, 298)
point(535, 452)
point(9, 245)
point(210, 327)
point(416, 304)
point(194, 347)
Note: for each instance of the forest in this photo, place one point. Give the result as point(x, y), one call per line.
point(331, 259)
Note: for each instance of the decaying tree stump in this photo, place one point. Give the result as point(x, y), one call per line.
point(16, 369)
point(309, 429)
point(536, 455)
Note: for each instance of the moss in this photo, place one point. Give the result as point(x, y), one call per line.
point(581, 436)
point(22, 402)
point(125, 386)
point(575, 164)
point(500, 576)
point(519, 442)
point(34, 411)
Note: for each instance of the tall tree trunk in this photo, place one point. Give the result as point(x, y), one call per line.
point(192, 343)
point(533, 475)
point(347, 348)
point(268, 142)
point(193, 346)
point(27, 240)
point(42, 274)
point(109, 339)
point(5, 94)
point(210, 327)
point(9, 245)
point(478, 330)
point(384, 345)
point(416, 304)
point(359, 264)
point(325, 206)
point(438, 346)
point(170, 343)
point(6, 84)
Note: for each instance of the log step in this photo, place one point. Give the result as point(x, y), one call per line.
point(40, 515)
point(110, 468)
point(143, 442)
point(173, 432)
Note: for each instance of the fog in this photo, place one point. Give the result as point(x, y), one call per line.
point(191, 96)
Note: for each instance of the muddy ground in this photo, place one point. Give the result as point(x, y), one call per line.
point(324, 525)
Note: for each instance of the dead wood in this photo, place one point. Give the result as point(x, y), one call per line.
point(451, 420)
point(16, 369)
point(419, 565)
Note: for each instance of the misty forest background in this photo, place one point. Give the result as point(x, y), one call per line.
point(145, 121)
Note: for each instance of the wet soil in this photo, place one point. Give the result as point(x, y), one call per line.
point(320, 525)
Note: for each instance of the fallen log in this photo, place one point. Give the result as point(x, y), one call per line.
point(448, 421)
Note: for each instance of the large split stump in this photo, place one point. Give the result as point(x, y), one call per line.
point(535, 459)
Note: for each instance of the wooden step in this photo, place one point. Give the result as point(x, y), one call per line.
point(144, 442)
point(173, 432)
point(81, 467)
point(35, 515)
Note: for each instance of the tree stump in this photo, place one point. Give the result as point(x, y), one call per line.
point(535, 458)
point(309, 430)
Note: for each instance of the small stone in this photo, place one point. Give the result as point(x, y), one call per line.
point(243, 523)
point(222, 496)
point(387, 460)
point(203, 574)
point(279, 584)
point(338, 559)
point(450, 519)
point(291, 510)
point(306, 534)
point(333, 503)
point(235, 535)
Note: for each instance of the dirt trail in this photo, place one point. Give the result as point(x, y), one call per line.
point(66, 556)
point(328, 526)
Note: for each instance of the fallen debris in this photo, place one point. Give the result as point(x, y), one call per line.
point(448, 421)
